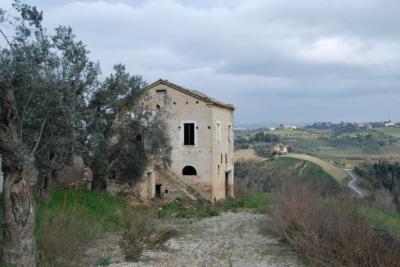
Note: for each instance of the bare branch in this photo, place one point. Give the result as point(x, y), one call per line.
point(22, 115)
point(8, 41)
point(38, 141)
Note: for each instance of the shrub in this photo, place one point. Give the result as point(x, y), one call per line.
point(329, 235)
point(64, 236)
point(103, 261)
point(143, 232)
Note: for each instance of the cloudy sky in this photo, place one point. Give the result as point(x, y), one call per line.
point(275, 60)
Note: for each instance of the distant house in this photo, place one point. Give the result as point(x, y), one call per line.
point(280, 149)
point(365, 125)
point(389, 123)
point(288, 127)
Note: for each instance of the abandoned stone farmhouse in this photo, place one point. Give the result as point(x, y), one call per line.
point(201, 133)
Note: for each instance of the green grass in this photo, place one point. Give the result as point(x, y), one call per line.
point(338, 173)
point(102, 207)
point(383, 219)
point(286, 167)
point(393, 131)
point(379, 218)
point(259, 202)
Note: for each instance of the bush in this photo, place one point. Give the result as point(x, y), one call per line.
point(143, 232)
point(64, 236)
point(329, 235)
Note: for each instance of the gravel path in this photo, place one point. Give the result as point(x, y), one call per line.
point(231, 239)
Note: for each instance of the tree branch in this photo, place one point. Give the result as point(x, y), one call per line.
point(38, 141)
point(8, 41)
point(22, 115)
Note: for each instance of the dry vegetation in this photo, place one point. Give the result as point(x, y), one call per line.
point(247, 154)
point(142, 232)
point(65, 236)
point(329, 234)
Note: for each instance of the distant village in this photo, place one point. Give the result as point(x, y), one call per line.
point(329, 125)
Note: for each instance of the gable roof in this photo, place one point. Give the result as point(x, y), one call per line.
point(193, 93)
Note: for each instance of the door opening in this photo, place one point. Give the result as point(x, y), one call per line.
point(226, 184)
point(158, 190)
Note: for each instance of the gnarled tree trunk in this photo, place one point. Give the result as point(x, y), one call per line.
point(45, 184)
point(19, 213)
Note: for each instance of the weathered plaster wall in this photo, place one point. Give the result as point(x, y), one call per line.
point(205, 155)
point(223, 154)
point(184, 108)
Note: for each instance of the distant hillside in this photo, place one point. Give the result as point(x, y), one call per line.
point(336, 172)
point(264, 176)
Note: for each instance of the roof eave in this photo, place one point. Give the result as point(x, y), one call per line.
point(188, 92)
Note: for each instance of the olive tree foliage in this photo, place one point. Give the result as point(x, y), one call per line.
point(53, 106)
point(44, 80)
point(52, 77)
point(125, 133)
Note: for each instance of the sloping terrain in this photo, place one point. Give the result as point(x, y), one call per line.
point(255, 176)
point(338, 173)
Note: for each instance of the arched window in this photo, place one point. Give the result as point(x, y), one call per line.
point(189, 170)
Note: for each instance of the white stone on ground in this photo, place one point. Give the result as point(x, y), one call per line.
point(231, 239)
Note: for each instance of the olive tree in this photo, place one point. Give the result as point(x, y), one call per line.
point(125, 134)
point(44, 81)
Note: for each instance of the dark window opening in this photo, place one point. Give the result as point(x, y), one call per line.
point(188, 134)
point(166, 191)
point(221, 158)
point(158, 106)
point(226, 158)
point(229, 133)
point(189, 170)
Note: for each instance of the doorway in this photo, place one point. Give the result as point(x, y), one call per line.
point(226, 184)
point(158, 190)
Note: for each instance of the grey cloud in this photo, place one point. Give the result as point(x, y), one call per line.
point(275, 60)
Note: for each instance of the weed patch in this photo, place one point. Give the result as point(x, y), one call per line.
point(329, 235)
point(64, 236)
point(142, 231)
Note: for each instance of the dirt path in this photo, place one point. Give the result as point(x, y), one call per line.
point(231, 239)
point(353, 184)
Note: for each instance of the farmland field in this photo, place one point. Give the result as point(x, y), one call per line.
point(393, 131)
point(246, 154)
